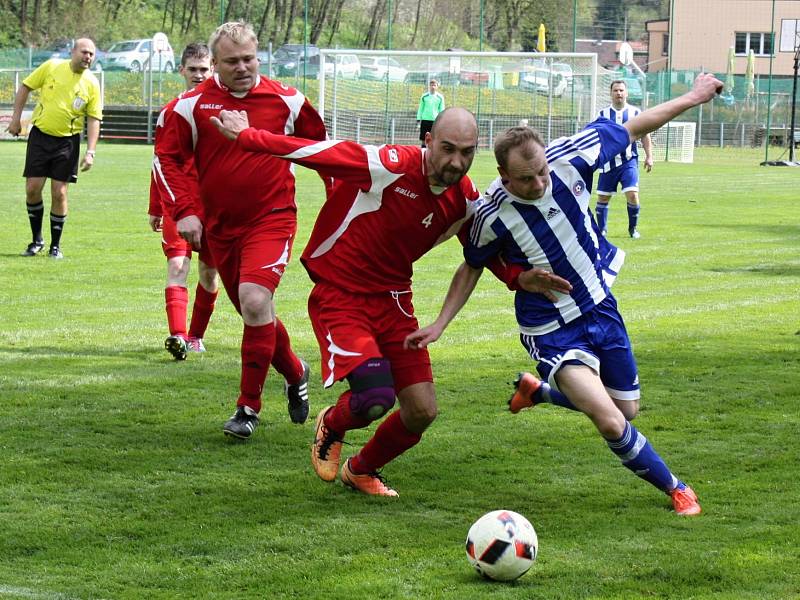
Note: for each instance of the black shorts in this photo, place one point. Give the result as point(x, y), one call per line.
point(424, 127)
point(53, 157)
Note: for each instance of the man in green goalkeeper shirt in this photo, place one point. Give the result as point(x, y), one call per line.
point(430, 104)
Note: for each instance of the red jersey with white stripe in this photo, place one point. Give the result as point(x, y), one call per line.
point(381, 215)
point(159, 195)
point(237, 188)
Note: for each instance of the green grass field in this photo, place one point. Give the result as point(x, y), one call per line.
point(116, 480)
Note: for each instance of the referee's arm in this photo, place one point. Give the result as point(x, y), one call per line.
point(92, 135)
point(20, 100)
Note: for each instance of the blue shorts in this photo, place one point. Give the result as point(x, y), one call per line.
point(599, 340)
point(627, 174)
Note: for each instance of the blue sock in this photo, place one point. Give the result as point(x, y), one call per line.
point(638, 455)
point(601, 211)
point(633, 216)
point(547, 394)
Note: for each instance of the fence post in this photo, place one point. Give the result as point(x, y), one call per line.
point(699, 126)
point(491, 132)
point(391, 133)
point(721, 134)
point(358, 130)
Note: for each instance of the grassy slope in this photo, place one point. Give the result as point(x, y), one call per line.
point(116, 481)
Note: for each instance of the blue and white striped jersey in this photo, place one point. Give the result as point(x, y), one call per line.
point(557, 232)
point(619, 117)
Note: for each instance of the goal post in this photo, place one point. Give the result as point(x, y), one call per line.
point(371, 96)
point(674, 142)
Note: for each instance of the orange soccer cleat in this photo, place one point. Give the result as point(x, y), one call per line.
point(684, 501)
point(526, 386)
point(326, 449)
point(369, 483)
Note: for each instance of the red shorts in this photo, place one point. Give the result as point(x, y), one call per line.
point(174, 245)
point(257, 255)
point(352, 328)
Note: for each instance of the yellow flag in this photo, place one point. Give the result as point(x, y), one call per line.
point(541, 44)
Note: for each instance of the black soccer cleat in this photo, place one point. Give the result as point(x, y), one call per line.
point(33, 248)
point(242, 424)
point(55, 252)
point(177, 346)
point(297, 396)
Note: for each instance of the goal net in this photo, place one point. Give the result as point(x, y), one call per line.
point(674, 142)
point(372, 96)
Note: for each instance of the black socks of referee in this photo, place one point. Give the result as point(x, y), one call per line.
point(56, 229)
point(35, 216)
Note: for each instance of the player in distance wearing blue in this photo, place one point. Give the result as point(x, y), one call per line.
point(622, 169)
point(536, 215)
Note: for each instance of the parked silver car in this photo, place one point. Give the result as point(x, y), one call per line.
point(134, 56)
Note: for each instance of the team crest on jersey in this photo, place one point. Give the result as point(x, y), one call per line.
point(393, 157)
point(578, 187)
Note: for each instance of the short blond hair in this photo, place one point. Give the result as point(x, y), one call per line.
point(238, 32)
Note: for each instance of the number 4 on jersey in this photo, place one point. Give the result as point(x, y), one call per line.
point(427, 220)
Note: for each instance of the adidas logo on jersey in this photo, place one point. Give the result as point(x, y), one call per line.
point(552, 213)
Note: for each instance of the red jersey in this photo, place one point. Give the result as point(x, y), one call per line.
point(381, 215)
point(158, 184)
point(237, 188)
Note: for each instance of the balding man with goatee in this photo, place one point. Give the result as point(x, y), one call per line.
point(69, 94)
point(389, 206)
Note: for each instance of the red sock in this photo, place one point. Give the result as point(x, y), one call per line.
point(391, 439)
point(341, 420)
point(201, 311)
point(258, 344)
point(285, 360)
point(177, 299)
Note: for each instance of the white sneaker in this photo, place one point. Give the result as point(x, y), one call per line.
point(195, 344)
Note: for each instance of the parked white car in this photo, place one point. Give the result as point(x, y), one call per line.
point(382, 68)
point(563, 69)
point(543, 82)
point(347, 66)
point(133, 56)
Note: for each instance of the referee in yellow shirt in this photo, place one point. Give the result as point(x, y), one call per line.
point(68, 94)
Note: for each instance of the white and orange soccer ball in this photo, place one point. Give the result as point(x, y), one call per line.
point(502, 545)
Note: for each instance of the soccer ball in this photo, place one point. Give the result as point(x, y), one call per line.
point(502, 545)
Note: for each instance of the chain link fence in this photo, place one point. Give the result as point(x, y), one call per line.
point(378, 111)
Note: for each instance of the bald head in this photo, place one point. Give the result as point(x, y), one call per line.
point(455, 121)
point(451, 145)
point(82, 55)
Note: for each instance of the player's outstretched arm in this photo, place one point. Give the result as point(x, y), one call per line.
point(705, 87)
point(461, 287)
point(345, 160)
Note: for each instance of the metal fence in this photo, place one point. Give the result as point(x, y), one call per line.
point(738, 119)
